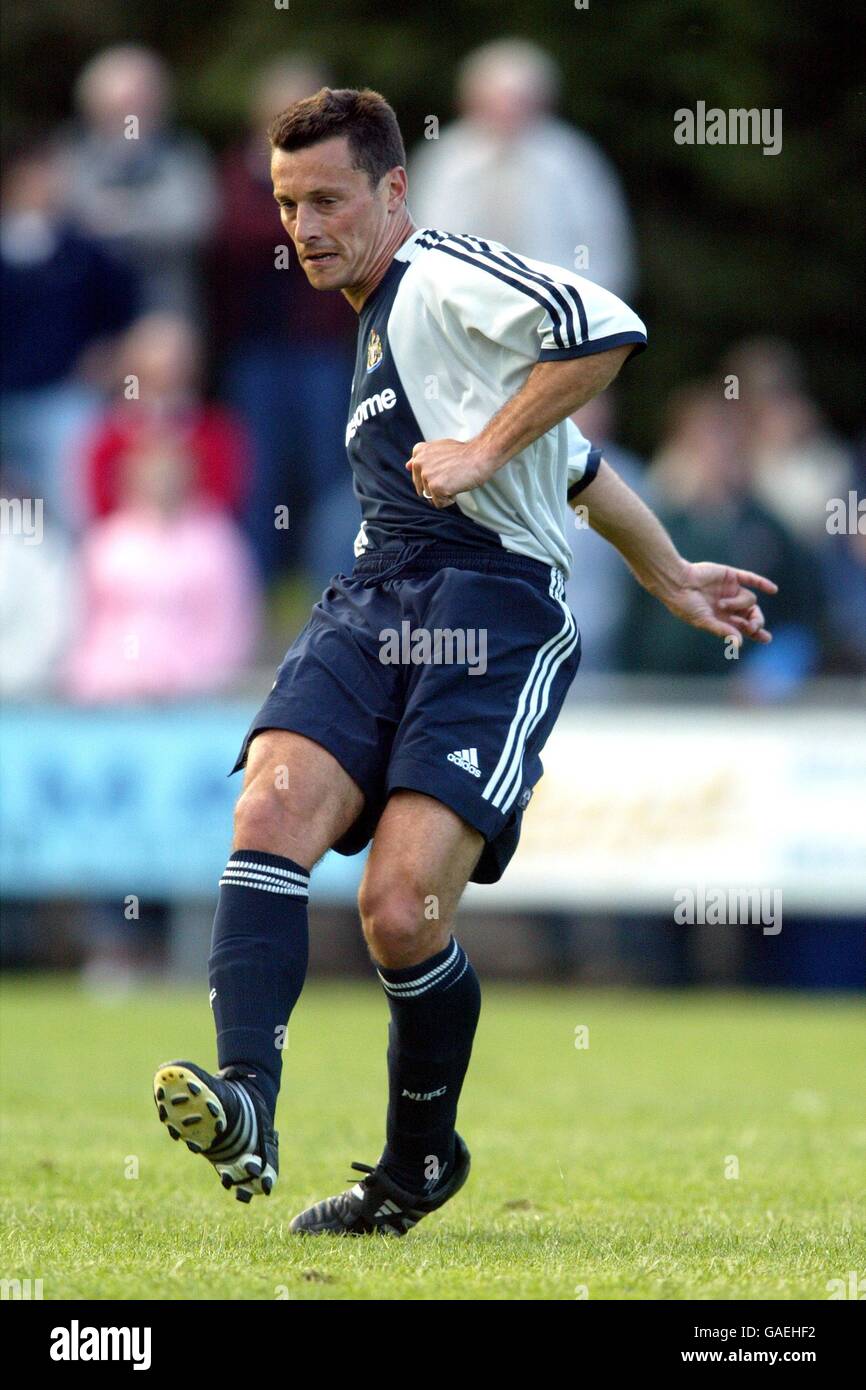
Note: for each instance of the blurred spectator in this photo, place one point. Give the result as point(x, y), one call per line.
point(161, 358)
point(62, 297)
point(843, 562)
point(170, 606)
point(510, 171)
point(597, 590)
point(705, 499)
point(797, 466)
point(36, 597)
point(143, 187)
point(288, 348)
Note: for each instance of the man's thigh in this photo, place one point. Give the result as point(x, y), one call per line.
point(471, 735)
point(296, 799)
point(419, 864)
point(333, 690)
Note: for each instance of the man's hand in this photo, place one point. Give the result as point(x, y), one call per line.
point(720, 600)
point(716, 598)
point(441, 468)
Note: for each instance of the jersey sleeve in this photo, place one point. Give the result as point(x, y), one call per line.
point(583, 461)
point(600, 321)
point(541, 311)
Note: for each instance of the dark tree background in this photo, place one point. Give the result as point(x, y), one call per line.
point(731, 241)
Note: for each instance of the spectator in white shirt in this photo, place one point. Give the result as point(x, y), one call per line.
point(145, 188)
point(510, 171)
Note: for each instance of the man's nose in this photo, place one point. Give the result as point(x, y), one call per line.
point(306, 224)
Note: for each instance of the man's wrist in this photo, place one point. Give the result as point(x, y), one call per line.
point(490, 459)
point(666, 580)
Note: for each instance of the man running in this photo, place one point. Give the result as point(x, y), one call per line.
point(413, 707)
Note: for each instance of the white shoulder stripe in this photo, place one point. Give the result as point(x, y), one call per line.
point(565, 293)
point(540, 288)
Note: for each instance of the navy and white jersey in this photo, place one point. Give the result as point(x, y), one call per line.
point(449, 335)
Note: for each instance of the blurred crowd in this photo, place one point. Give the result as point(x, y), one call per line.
point(174, 394)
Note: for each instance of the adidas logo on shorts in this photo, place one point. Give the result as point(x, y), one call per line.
point(467, 758)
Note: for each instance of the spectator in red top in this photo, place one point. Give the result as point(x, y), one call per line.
point(158, 392)
point(170, 605)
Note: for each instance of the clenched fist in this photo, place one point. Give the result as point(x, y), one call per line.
point(441, 468)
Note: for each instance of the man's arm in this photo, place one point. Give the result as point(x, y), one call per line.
point(553, 390)
point(709, 596)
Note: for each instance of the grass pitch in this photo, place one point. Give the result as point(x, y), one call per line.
point(600, 1172)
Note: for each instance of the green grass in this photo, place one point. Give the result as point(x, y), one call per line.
point(601, 1168)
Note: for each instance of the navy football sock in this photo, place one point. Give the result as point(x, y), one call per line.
point(434, 1014)
point(258, 961)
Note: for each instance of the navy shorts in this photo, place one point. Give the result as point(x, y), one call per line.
point(438, 671)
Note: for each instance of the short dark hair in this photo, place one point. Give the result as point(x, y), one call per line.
point(364, 117)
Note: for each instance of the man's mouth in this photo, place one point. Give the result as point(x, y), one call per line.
point(320, 257)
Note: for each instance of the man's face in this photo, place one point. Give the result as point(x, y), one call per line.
point(335, 219)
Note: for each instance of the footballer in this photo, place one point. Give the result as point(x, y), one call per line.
point(470, 360)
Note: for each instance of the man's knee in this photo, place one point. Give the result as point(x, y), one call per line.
point(297, 800)
point(400, 921)
point(262, 818)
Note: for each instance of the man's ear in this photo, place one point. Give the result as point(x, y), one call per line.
point(398, 186)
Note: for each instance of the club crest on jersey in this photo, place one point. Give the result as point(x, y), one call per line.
point(374, 350)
